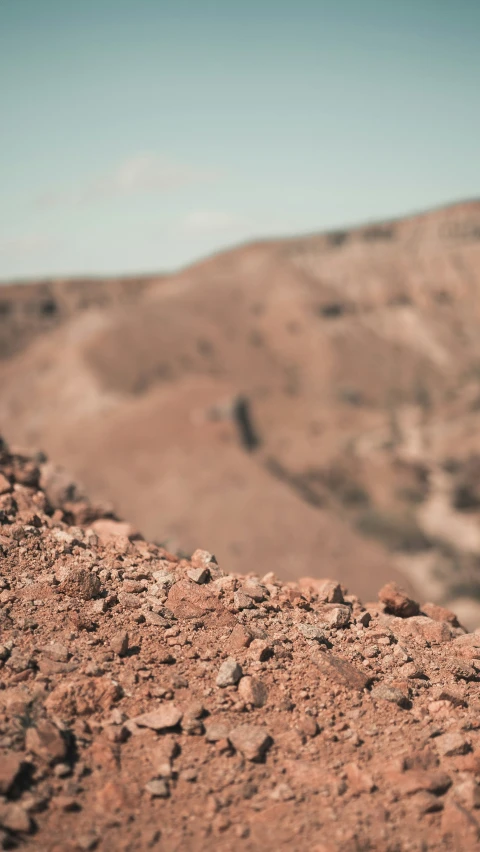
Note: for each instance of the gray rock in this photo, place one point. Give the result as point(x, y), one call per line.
point(158, 788)
point(229, 673)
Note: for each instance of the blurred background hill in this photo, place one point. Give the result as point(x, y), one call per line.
point(303, 404)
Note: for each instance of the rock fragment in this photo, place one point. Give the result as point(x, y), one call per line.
point(310, 631)
point(252, 741)
point(167, 716)
point(253, 691)
point(10, 767)
point(397, 601)
point(383, 692)
point(199, 575)
point(451, 744)
point(119, 643)
point(158, 788)
point(229, 673)
point(80, 583)
point(46, 741)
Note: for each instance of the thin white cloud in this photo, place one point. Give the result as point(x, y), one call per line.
point(145, 172)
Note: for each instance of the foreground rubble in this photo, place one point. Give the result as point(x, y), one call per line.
point(153, 702)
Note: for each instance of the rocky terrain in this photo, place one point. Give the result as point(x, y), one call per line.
point(308, 405)
point(149, 701)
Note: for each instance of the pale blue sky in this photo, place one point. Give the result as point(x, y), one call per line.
point(142, 134)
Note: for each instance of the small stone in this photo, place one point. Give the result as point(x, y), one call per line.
point(253, 589)
point(253, 691)
point(309, 631)
point(10, 767)
point(189, 775)
point(158, 788)
point(215, 732)
point(14, 818)
point(87, 842)
point(421, 627)
point(203, 559)
point(260, 651)
point(397, 602)
point(56, 652)
point(242, 601)
point(239, 638)
point(199, 575)
point(252, 741)
point(336, 616)
point(451, 744)
point(46, 741)
point(328, 591)
point(119, 643)
point(440, 613)
point(61, 770)
point(80, 583)
point(390, 693)
point(307, 726)
point(229, 673)
point(167, 716)
point(155, 618)
point(341, 671)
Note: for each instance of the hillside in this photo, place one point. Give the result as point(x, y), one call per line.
point(152, 702)
point(285, 404)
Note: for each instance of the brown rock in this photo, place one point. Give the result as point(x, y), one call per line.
point(14, 818)
point(10, 767)
point(451, 744)
point(328, 591)
point(80, 583)
point(383, 692)
point(414, 780)
point(253, 691)
point(397, 601)
point(203, 559)
point(242, 601)
point(119, 643)
point(167, 716)
point(419, 626)
point(334, 615)
point(57, 652)
point(46, 741)
point(216, 731)
point(439, 613)
point(252, 741)
point(341, 671)
point(189, 600)
point(239, 638)
point(199, 575)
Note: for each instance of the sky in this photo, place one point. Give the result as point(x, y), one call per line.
point(140, 135)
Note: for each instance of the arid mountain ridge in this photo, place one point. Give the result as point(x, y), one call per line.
point(351, 358)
